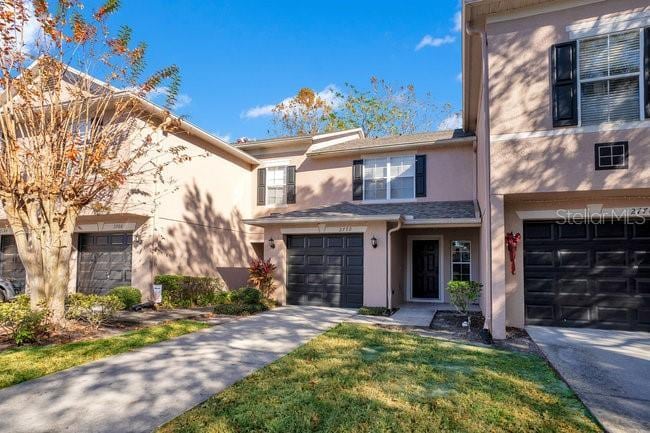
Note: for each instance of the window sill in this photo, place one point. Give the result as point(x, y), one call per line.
point(275, 206)
point(397, 200)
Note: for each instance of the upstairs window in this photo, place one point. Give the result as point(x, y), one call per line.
point(610, 79)
point(275, 185)
point(389, 178)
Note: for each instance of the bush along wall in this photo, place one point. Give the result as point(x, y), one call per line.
point(185, 291)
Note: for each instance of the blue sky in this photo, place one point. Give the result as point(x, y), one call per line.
point(236, 56)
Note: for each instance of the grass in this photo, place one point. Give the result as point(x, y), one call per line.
point(356, 378)
point(26, 363)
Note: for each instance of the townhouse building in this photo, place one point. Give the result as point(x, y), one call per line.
point(553, 146)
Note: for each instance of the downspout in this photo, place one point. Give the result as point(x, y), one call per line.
point(486, 213)
point(389, 297)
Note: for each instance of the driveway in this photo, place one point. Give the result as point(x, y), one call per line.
point(609, 370)
point(137, 391)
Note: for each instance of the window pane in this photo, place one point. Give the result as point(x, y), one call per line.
point(624, 99)
point(374, 168)
point(593, 58)
point(402, 187)
point(275, 176)
point(275, 185)
point(374, 189)
point(594, 102)
point(402, 166)
point(624, 54)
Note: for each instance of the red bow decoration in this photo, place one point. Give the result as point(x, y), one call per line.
point(512, 240)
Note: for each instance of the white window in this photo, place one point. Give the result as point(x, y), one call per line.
point(461, 260)
point(610, 78)
point(611, 155)
point(276, 183)
point(390, 178)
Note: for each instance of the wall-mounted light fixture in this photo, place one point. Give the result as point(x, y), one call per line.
point(373, 242)
point(272, 243)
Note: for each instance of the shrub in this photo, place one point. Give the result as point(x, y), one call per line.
point(129, 296)
point(463, 293)
point(185, 291)
point(245, 295)
point(242, 302)
point(261, 276)
point(22, 323)
point(239, 309)
point(375, 311)
point(96, 310)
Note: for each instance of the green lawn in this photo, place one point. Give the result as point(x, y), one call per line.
point(25, 363)
point(356, 378)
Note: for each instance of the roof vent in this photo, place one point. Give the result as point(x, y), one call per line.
point(242, 140)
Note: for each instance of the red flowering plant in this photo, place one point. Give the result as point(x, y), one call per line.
point(512, 239)
point(261, 276)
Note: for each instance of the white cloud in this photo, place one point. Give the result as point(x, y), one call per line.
point(329, 94)
point(458, 21)
point(430, 41)
point(459, 77)
point(454, 121)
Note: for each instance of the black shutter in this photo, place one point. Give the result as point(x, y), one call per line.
point(291, 184)
point(646, 63)
point(357, 179)
point(420, 175)
point(261, 186)
point(565, 84)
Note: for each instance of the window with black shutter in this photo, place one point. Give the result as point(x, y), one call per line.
point(261, 186)
point(564, 80)
point(291, 184)
point(420, 175)
point(357, 179)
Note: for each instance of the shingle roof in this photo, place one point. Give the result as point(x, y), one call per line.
point(394, 140)
point(437, 210)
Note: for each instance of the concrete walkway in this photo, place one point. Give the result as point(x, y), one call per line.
point(609, 370)
point(138, 391)
point(410, 315)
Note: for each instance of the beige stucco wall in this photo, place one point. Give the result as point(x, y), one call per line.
point(197, 216)
point(450, 176)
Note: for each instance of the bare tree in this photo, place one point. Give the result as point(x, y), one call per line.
point(303, 114)
point(69, 143)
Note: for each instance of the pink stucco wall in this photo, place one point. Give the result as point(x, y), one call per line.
point(450, 176)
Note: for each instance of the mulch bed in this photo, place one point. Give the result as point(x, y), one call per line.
point(448, 324)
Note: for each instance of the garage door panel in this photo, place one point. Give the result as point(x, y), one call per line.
point(573, 259)
point(573, 232)
point(571, 286)
point(587, 274)
point(539, 258)
point(609, 231)
point(612, 286)
point(325, 270)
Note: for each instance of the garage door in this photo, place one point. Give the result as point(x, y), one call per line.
point(11, 268)
point(587, 275)
point(104, 261)
point(325, 270)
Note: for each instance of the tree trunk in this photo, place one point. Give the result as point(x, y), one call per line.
point(44, 242)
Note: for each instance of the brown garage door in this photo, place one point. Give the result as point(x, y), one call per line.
point(11, 268)
point(325, 270)
point(587, 275)
point(104, 261)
